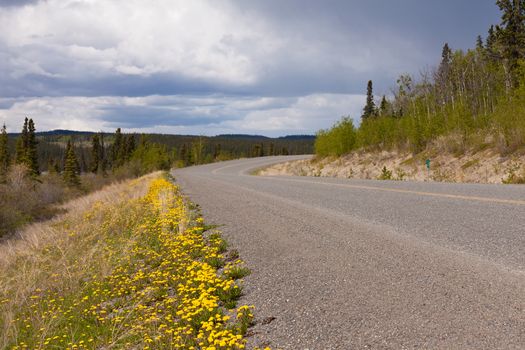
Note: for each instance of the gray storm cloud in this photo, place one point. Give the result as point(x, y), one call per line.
point(58, 53)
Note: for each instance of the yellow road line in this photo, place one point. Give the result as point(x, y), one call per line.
point(421, 193)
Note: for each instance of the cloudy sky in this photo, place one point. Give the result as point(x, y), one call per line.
point(270, 67)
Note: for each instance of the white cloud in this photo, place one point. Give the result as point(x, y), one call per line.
point(208, 115)
point(306, 114)
point(212, 41)
point(223, 66)
point(196, 39)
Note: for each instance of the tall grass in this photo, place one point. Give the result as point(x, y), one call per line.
point(25, 199)
point(129, 267)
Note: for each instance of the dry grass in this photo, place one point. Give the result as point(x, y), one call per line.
point(128, 267)
point(24, 199)
point(51, 255)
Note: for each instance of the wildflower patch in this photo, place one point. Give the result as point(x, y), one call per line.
point(160, 281)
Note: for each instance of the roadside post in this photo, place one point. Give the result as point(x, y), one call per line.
point(427, 162)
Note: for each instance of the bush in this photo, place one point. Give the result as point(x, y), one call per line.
point(338, 140)
point(24, 199)
point(385, 174)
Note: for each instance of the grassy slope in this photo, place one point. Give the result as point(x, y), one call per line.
point(131, 266)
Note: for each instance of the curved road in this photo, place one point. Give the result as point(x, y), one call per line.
point(353, 264)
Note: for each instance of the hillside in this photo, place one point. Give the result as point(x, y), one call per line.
point(471, 166)
point(467, 115)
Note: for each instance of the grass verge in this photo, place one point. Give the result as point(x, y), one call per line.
point(129, 267)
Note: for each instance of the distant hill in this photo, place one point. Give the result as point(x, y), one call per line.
point(57, 132)
point(243, 136)
point(261, 137)
point(297, 137)
point(64, 132)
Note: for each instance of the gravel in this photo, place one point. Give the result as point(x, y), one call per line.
point(337, 264)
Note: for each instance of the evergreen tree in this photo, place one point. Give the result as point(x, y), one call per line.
point(370, 108)
point(184, 154)
point(217, 151)
point(130, 146)
point(443, 73)
point(21, 144)
point(95, 154)
point(53, 167)
point(491, 43)
point(31, 149)
point(83, 167)
point(19, 151)
point(446, 56)
point(197, 149)
point(102, 166)
point(143, 140)
point(383, 107)
point(511, 35)
point(479, 44)
point(4, 151)
point(258, 150)
point(70, 175)
point(116, 153)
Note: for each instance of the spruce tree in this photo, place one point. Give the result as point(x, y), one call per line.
point(95, 154)
point(116, 153)
point(183, 154)
point(52, 166)
point(21, 144)
point(256, 150)
point(370, 108)
point(19, 151)
point(446, 61)
point(491, 43)
point(82, 164)
point(383, 107)
point(102, 154)
point(4, 151)
point(70, 174)
point(130, 146)
point(217, 151)
point(479, 44)
point(511, 36)
point(31, 149)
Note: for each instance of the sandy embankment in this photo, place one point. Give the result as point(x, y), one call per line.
point(486, 166)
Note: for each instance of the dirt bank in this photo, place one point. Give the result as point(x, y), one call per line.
point(487, 166)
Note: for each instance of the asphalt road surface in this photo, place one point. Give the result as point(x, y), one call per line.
point(356, 264)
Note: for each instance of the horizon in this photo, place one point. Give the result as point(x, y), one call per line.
point(59, 131)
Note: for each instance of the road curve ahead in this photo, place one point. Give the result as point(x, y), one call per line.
point(354, 264)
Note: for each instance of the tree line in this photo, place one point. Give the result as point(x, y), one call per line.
point(73, 153)
point(475, 96)
point(102, 158)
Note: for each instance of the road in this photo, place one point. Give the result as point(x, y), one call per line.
point(353, 264)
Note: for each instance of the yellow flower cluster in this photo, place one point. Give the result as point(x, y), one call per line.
point(166, 290)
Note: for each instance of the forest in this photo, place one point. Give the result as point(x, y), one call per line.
point(39, 170)
point(474, 99)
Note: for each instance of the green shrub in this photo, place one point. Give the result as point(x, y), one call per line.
point(385, 174)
